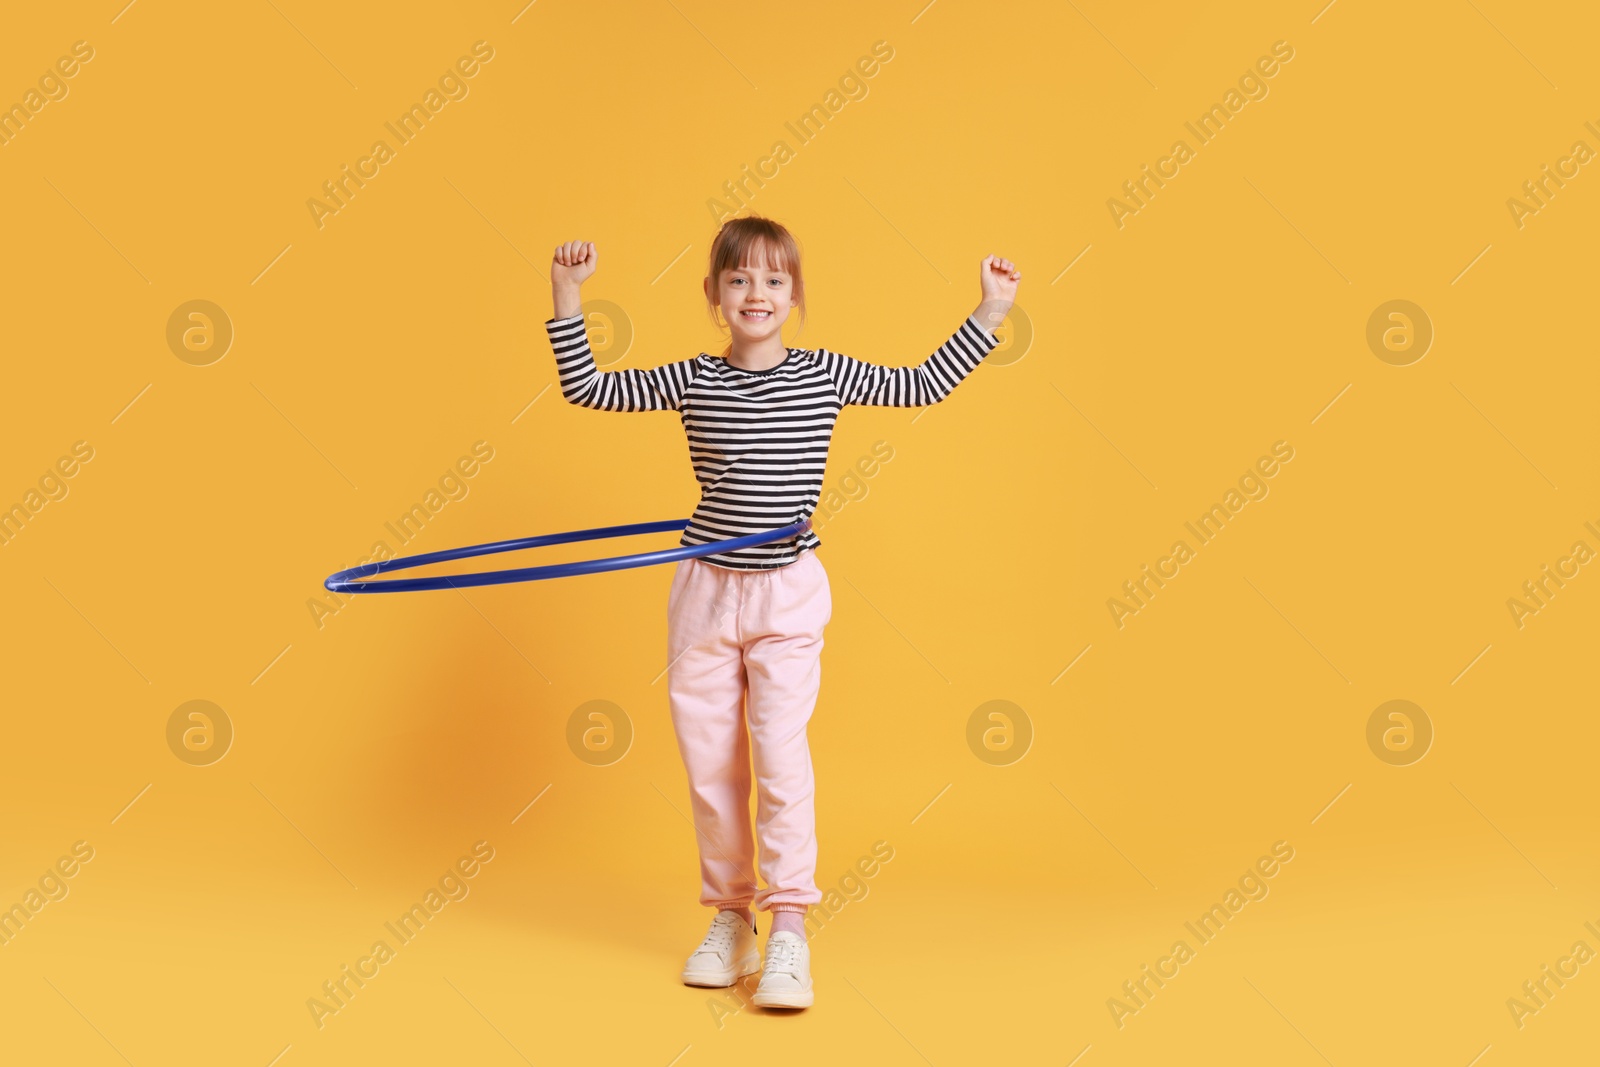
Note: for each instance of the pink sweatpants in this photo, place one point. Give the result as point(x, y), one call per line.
point(756, 633)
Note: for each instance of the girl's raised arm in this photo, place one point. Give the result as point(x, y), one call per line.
point(860, 382)
point(929, 382)
point(583, 383)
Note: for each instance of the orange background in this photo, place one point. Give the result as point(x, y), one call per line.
point(1039, 860)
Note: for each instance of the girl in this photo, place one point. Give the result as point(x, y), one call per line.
point(745, 627)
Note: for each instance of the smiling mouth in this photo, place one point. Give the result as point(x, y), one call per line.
point(755, 316)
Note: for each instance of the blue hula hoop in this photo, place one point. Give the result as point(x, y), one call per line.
point(345, 581)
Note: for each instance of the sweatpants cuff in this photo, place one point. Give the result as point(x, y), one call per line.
point(801, 908)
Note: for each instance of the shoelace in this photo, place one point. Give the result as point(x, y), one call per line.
point(720, 937)
point(782, 956)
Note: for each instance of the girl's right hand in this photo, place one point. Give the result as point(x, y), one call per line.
point(573, 263)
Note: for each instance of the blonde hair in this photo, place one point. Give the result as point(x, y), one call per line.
point(745, 242)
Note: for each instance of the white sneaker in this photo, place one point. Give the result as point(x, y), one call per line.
point(786, 979)
point(727, 954)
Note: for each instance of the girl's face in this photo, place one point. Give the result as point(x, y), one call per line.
point(755, 300)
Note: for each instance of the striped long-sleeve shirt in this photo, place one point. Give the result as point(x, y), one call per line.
point(758, 440)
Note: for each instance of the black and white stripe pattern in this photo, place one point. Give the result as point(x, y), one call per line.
point(758, 440)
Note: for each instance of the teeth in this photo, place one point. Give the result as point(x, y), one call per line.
point(756, 314)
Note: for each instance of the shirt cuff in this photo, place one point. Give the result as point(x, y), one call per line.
point(984, 330)
point(562, 322)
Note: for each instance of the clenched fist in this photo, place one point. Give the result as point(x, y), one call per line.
point(999, 279)
point(573, 263)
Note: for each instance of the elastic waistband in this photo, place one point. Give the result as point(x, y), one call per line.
point(803, 553)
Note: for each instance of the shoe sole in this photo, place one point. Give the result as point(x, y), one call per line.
point(722, 979)
point(783, 1000)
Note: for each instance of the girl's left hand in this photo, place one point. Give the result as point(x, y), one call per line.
point(999, 278)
